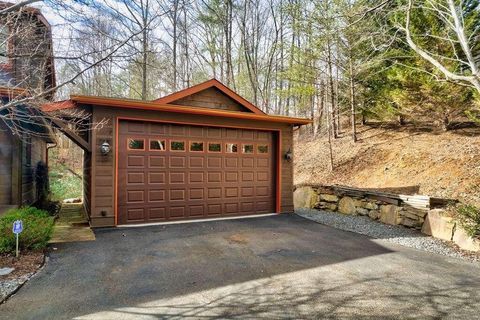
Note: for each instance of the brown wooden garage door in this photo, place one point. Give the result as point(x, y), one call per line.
point(173, 172)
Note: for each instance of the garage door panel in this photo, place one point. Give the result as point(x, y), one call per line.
point(231, 192)
point(135, 177)
point(157, 161)
point(156, 177)
point(214, 162)
point(135, 214)
point(177, 177)
point(214, 176)
point(157, 213)
point(177, 195)
point(177, 212)
point(231, 162)
point(196, 177)
point(196, 210)
point(214, 193)
point(135, 161)
point(177, 161)
point(135, 196)
point(232, 175)
point(214, 209)
point(231, 207)
point(156, 195)
point(196, 194)
point(196, 161)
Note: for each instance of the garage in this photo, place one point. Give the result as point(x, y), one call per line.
point(171, 172)
point(203, 152)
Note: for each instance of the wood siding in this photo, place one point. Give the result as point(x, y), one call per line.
point(87, 178)
point(211, 98)
point(103, 167)
point(17, 172)
point(38, 154)
point(6, 149)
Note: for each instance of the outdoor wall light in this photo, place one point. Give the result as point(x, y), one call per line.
point(289, 155)
point(105, 148)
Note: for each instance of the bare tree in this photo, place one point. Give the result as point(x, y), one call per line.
point(451, 14)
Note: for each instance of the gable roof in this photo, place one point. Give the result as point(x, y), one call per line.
point(155, 106)
point(213, 83)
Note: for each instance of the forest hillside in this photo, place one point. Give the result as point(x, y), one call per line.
point(405, 159)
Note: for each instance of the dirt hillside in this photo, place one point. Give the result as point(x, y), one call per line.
point(409, 160)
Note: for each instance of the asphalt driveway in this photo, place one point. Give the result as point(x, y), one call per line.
point(271, 267)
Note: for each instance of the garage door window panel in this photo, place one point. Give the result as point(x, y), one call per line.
point(136, 144)
point(157, 145)
point(231, 148)
point(262, 148)
point(214, 147)
point(176, 145)
point(247, 148)
point(196, 146)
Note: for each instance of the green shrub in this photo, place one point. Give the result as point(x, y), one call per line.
point(37, 229)
point(469, 218)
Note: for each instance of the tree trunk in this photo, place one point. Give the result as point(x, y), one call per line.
point(352, 100)
point(332, 90)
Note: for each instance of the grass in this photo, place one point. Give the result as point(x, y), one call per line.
point(64, 186)
point(37, 229)
point(469, 218)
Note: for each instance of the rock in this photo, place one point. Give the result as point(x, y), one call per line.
point(438, 225)
point(389, 214)
point(328, 197)
point(370, 205)
point(347, 206)
point(411, 223)
point(305, 197)
point(409, 215)
point(461, 238)
point(374, 214)
point(362, 211)
point(5, 271)
point(327, 206)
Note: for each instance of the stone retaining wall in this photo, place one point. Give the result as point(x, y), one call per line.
point(390, 211)
point(326, 198)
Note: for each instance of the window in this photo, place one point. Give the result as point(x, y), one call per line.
point(214, 147)
point(262, 148)
point(157, 145)
point(4, 44)
point(136, 144)
point(247, 148)
point(196, 146)
point(177, 145)
point(231, 148)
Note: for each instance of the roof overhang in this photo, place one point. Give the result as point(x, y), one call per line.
point(155, 106)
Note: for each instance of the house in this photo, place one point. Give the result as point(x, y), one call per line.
point(202, 152)
point(26, 67)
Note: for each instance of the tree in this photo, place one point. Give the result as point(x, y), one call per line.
point(461, 25)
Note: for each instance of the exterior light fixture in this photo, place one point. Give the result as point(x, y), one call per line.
point(289, 155)
point(105, 148)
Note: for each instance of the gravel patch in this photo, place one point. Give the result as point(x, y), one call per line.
point(9, 287)
point(395, 234)
point(24, 267)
